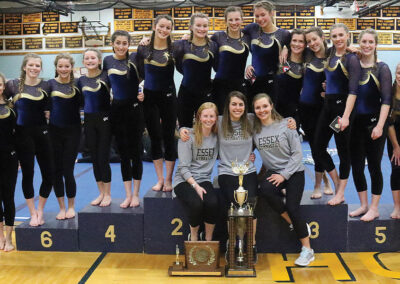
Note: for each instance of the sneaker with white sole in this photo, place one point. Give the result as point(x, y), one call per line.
point(306, 256)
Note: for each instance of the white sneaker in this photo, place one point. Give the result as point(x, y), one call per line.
point(306, 256)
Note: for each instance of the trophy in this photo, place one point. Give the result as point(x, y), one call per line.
point(201, 259)
point(240, 225)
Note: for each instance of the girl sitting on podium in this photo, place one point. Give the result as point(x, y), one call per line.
point(192, 182)
point(281, 153)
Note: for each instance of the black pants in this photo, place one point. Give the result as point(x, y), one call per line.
point(308, 116)
point(395, 176)
point(222, 89)
point(294, 192)
point(160, 109)
point(198, 210)
point(228, 184)
point(189, 102)
point(8, 179)
point(332, 108)
point(127, 122)
point(65, 141)
point(362, 146)
point(34, 141)
point(263, 84)
point(98, 138)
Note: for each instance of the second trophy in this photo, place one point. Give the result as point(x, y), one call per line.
point(240, 226)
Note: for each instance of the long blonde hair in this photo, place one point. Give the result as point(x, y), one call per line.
point(8, 102)
point(197, 127)
point(22, 76)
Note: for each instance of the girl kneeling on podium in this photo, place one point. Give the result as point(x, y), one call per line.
point(192, 182)
point(281, 153)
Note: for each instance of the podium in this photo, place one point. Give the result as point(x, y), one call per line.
point(53, 235)
point(382, 234)
point(111, 229)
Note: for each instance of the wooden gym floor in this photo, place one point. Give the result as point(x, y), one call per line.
point(83, 267)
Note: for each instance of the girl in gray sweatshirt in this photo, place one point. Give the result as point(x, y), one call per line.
point(281, 153)
point(192, 182)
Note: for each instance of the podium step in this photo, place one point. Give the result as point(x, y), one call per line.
point(53, 235)
point(111, 229)
point(165, 223)
point(382, 234)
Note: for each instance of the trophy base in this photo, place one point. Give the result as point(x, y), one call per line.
point(175, 270)
point(240, 272)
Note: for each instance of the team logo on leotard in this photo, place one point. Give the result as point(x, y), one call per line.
point(40, 95)
point(333, 68)
point(198, 58)
point(273, 39)
point(62, 95)
point(370, 75)
point(205, 154)
point(116, 72)
point(97, 88)
point(5, 112)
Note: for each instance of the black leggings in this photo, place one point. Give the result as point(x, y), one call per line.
point(160, 110)
point(332, 108)
point(198, 210)
point(294, 192)
point(362, 146)
point(222, 89)
point(189, 102)
point(127, 124)
point(308, 115)
point(263, 84)
point(65, 142)
point(395, 176)
point(34, 141)
point(228, 184)
point(8, 179)
point(98, 138)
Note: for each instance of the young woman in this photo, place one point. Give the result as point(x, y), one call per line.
point(267, 42)
point(289, 80)
point(8, 169)
point(342, 76)
point(156, 66)
point(233, 48)
point(369, 130)
point(282, 156)
point(127, 121)
point(65, 131)
point(311, 101)
point(394, 147)
point(192, 182)
point(235, 144)
point(194, 59)
point(30, 95)
point(95, 90)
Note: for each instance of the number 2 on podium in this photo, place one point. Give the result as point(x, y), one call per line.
point(176, 231)
point(110, 233)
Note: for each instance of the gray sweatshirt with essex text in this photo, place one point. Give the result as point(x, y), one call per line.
point(280, 148)
point(196, 161)
point(234, 147)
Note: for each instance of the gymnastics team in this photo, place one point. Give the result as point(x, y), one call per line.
point(295, 84)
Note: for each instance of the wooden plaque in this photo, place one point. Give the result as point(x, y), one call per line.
point(31, 29)
point(201, 259)
point(122, 14)
point(205, 10)
point(50, 17)
point(33, 43)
